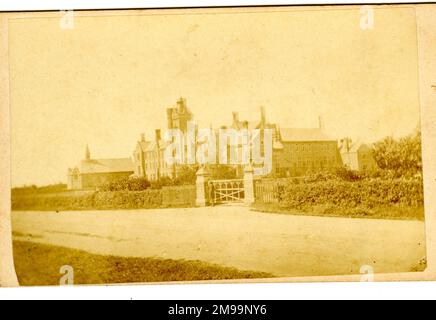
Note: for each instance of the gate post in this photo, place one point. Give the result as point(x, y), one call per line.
point(201, 183)
point(249, 185)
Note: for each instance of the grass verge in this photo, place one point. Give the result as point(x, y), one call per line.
point(393, 213)
point(40, 264)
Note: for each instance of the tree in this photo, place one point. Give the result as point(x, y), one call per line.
point(186, 174)
point(222, 172)
point(402, 156)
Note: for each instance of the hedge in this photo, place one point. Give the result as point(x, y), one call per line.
point(370, 193)
point(146, 199)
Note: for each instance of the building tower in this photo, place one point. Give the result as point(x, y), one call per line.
point(179, 116)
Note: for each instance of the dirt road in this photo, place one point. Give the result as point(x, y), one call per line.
point(284, 245)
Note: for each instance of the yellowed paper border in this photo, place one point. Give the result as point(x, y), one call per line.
point(7, 272)
point(426, 26)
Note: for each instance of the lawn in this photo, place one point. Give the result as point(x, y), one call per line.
point(40, 264)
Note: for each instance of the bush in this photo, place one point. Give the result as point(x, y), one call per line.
point(365, 193)
point(186, 175)
point(91, 201)
point(403, 157)
point(127, 184)
point(222, 172)
point(316, 177)
point(162, 182)
point(349, 175)
point(178, 196)
point(40, 190)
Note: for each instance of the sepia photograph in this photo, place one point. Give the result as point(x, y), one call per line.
point(221, 144)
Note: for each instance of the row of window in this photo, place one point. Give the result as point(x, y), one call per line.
point(312, 146)
point(314, 163)
point(309, 150)
point(148, 156)
point(298, 171)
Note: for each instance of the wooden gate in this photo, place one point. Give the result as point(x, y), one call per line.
point(226, 191)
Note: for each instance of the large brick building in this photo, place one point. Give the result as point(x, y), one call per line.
point(148, 155)
point(300, 151)
point(149, 159)
point(93, 173)
point(296, 151)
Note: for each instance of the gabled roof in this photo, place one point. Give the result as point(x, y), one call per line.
point(355, 147)
point(144, 144)
point(73, 171)
point(106, 165)
point(303, 135)
point(252, 125)
point(147, 146)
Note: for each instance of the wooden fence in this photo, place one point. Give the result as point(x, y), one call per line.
point(268, 190)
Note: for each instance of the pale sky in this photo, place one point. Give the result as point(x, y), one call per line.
point(111, 78)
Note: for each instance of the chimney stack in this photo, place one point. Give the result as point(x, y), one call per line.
point(170, 118)
point(158, 135)
point(348, 142)
point(87, 153)
point(262, 115)
point(235, 117)
point(142, 137)
point(321, 123)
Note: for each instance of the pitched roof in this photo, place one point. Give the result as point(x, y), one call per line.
point(151, 145)
point(106, 165)
point(303, 135)
point(250, 124)
point(143, 144)
point(355, 147)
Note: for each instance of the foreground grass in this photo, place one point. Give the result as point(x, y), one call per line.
point(39, 265)
point(393, 213)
